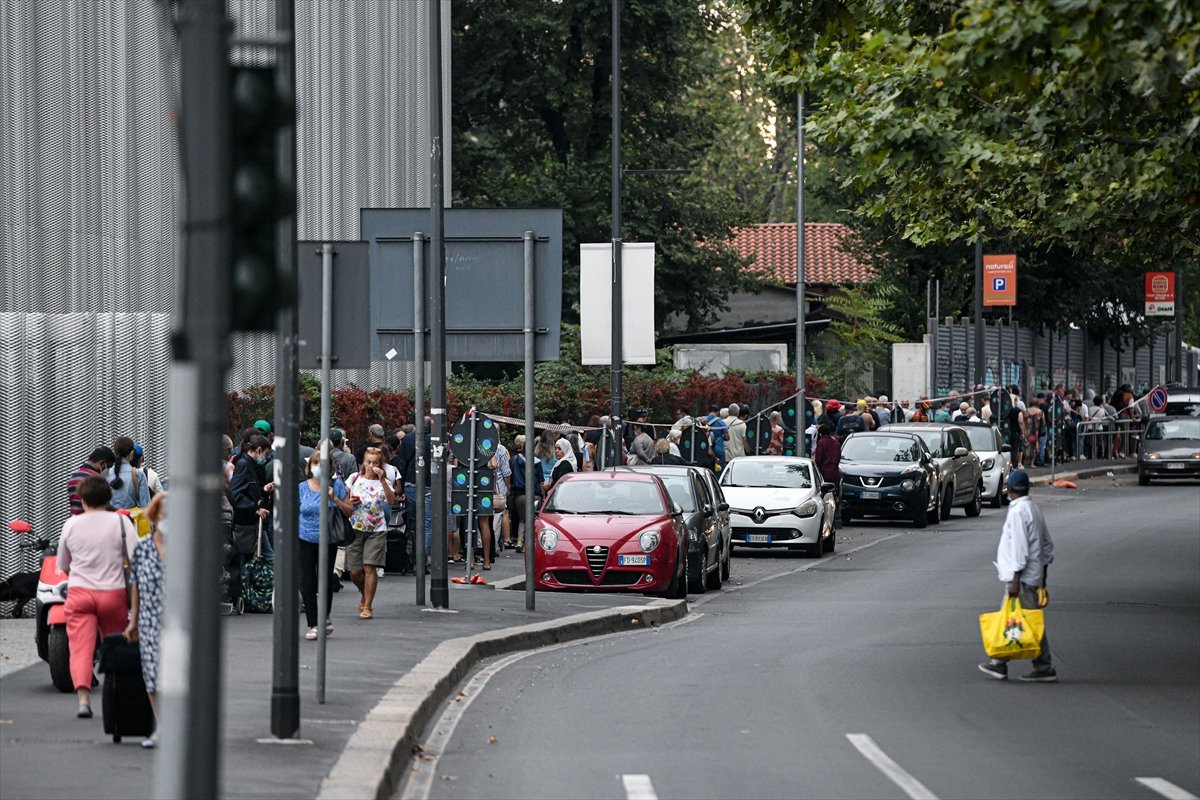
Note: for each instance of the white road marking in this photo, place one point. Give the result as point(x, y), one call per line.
point(907, 783)
point(1166, 789)
point(638, 787)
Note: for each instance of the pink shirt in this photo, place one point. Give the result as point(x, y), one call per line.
point(90, 549)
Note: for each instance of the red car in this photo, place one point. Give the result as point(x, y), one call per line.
point(611, 531)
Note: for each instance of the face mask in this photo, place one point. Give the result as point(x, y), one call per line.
point(260, 460)
point(316, 471)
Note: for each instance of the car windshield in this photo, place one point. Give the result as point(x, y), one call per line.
point(881, 449)
point(680, 489)
point(1174, 429)
point(981, 438)
point(605, 497)
point(767, 474)
point(1189, 408)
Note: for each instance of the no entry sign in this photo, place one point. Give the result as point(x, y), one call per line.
point(1160, 294)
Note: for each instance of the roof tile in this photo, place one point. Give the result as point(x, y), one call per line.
point(774, 246)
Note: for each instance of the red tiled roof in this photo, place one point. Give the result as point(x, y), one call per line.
point(774, 246)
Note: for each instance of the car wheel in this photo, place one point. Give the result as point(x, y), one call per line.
point(713, 581)
point(1143, 478)
point(921, 518)
point(695, 583)
point(847, 517)
point(976, 504)
point(725, 565)
point(59, 652)
point(947, 502)
point(830, 542)
point(995, 501)
point(935, 513)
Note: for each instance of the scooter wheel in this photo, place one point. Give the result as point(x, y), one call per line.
point(58, 649)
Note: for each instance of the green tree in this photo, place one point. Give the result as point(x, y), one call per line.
point(531, 121)
point(1072, 124)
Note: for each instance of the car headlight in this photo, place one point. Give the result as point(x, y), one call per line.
point(988, 463)
point(649, 540)
point(806, 509)
point(1153, 456)
point(548, 539)
point(908, 485)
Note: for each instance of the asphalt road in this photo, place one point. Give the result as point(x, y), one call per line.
point(855, 676)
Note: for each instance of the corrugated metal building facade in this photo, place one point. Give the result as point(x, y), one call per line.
point(90, 210)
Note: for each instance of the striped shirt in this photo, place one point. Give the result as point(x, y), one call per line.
point(77, 477)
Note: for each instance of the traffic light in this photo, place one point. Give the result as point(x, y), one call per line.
point(259, 198)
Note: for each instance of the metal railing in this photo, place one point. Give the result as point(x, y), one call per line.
point(1108, 438)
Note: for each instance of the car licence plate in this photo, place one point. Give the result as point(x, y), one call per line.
point(1174, 465)
point(633, 561)
point(872, 495)
point(764, 538)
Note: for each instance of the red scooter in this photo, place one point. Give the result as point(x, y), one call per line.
point(51, 630)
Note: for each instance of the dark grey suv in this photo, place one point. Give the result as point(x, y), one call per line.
point(959, 468)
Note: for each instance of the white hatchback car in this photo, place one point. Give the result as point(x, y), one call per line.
point(779, 501)
point(994, 459)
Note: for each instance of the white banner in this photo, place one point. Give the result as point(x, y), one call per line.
point(637, 303)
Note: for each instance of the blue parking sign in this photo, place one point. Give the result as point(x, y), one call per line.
point(999, 284)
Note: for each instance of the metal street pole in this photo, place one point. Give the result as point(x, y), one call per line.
point(530, 289)
point(439, 585)
point(801, 401)
point(189, 689)
point(323, 564)
point(617, 317)
point(978, 355)
point(1178, 349)
point(285, 673)
point(420, 556)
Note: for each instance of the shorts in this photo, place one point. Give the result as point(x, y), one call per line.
point(368, 547)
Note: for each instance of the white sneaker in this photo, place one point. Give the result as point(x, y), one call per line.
point(328, 628)
point(152, 742)
point(311, 635)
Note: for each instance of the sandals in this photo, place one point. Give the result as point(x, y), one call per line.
point(365, 613)
point(311, 635)
point(487, 566)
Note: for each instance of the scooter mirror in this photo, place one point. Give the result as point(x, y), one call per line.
point(20, 526)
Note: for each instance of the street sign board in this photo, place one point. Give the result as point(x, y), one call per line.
point(351, 283)
point(485, 291)
point(1157, 399)
point(1000, 280)
point(1160, 294)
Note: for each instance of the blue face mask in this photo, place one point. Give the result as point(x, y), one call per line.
point(260, 460)
point(316, 471)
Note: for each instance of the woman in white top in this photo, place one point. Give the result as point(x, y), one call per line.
point(373, 496)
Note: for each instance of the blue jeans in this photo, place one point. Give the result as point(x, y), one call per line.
point(410, 494)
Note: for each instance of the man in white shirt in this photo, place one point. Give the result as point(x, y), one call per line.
point(1023, 557)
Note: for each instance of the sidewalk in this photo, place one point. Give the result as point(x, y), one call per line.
point(367, 660)
point(1080, 470)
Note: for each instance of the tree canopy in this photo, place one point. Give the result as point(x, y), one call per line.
point(1071, 124)
point(531, 127)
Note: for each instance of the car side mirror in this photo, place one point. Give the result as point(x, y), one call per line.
point(676, 509)
point(1006, 448)
point(827, 487)
point(959, 452)
point(722, 506)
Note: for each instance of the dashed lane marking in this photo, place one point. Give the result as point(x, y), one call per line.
point(638, 787)
point(907, 783)
point(1166, 789)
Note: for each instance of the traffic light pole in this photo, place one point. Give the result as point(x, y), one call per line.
point(801, 400)
point(285, 672)
point(617, 357)
point(439, 588)
point(190, 686)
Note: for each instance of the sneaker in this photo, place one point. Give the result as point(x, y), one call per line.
point(152, 742)
point(1041, 676)
point(85, 711)
point(328, 627)
point(997, 672)
point(311, 635)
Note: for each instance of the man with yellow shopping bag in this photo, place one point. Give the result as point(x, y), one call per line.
point(1022, 559)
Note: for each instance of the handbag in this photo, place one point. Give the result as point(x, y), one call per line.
point(125, 564)
point(258, 581)
point(340, 532)
point(1012, 632)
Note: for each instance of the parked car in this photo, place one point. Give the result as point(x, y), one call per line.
point(707, 545)
point(958, 466)
point(1182, 401)
point(889, 474)
point(1170, 448)
point(779, 501)
point(995, 459)
point(723, 517)
point(613, 531)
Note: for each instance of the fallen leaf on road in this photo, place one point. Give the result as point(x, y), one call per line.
point(492, 740)
point(462, 694)
point(633, 621)
point(449, 777)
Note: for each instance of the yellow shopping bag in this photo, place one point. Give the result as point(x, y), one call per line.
point(1012, 632)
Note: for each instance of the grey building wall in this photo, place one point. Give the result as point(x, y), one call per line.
point(90, 213)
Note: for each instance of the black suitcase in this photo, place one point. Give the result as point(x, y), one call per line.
point(126, 708)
